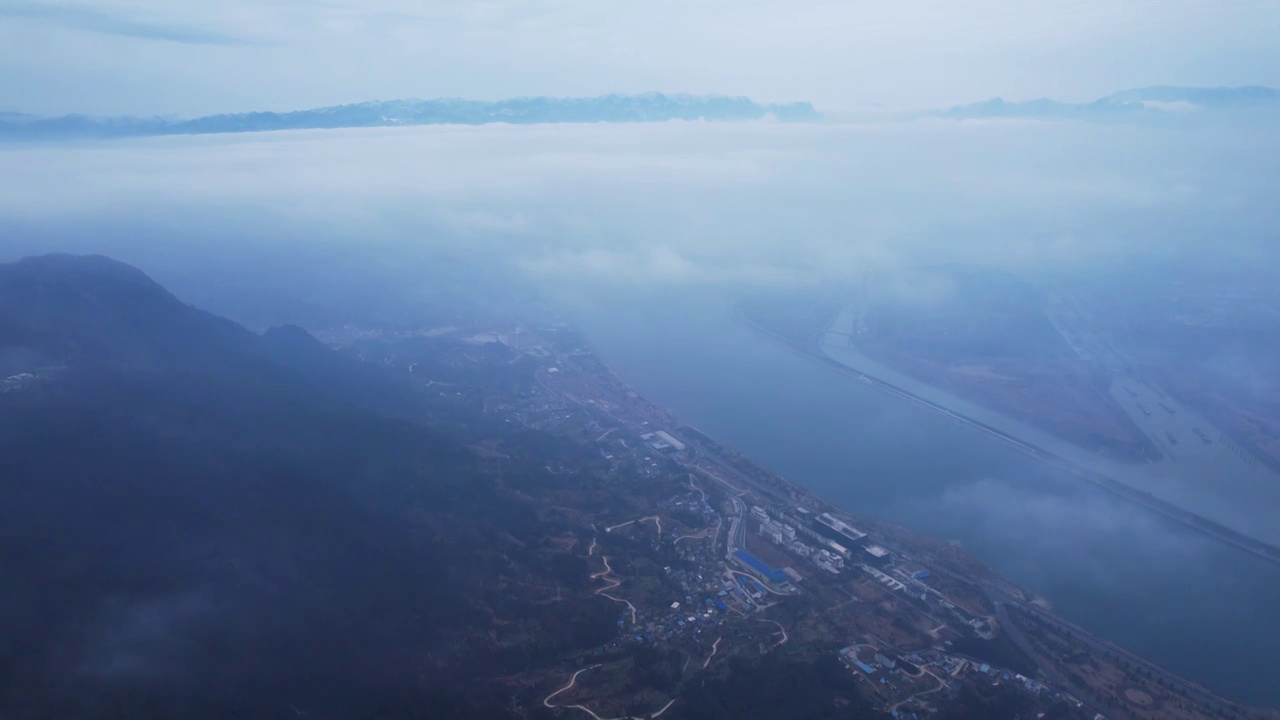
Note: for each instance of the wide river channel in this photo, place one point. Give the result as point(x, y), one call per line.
point(1200, 608)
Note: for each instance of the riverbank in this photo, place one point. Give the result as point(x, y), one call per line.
point(1145, 582)
point(811, 349)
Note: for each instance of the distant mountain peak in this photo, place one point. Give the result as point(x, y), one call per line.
point(59, 277)
point(69, 266)
point(1212, 97)
point(645, 107)
point(92, 308)
point(1154, 102)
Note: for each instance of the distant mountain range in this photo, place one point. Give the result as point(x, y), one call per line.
point(1128, 105)
point(1139, 103)
point(648, 107)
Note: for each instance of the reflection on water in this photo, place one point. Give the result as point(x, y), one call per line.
point(1183, 600)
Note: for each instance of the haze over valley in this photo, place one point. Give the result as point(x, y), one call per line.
point(815, 385)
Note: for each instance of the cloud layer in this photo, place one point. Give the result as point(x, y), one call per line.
point(586, 209)
point(685, 203)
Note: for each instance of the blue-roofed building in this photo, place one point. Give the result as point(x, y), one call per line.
point(752, 562)
point(721, 606)
point(864, 667)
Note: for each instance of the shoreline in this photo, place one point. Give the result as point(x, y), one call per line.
point(1225, 535)
point(1000, 591)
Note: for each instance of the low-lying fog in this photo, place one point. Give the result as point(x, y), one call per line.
point(645, 233)
point(609, 207)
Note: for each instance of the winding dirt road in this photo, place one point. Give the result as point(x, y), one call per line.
point(781, 629)
point(573, 680)
point(663, 709)
point(656, 521)
point(701, 492)
point(603, 574)
point(921, 694)
point(715, 647)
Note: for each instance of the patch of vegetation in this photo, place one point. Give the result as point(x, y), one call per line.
point(999, 651)
point(772, 687)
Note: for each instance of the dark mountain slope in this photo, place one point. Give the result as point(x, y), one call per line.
point(200, 522)
point(94, 312)
point(94, 309)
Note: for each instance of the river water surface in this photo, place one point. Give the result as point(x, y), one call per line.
point(1198, 607)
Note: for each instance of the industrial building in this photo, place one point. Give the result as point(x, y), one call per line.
point(755, 564)
point(829, 561)
point(670, 439)
point(830, 527)
point(772, 531)
point(850, 656)
point(876, 556)
point(662, 441)
point(887, 581)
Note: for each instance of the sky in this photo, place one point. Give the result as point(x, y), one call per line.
point(189, 58)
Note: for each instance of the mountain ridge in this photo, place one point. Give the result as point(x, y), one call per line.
point(234, 527)
point(1153, 102)
point(613, 108)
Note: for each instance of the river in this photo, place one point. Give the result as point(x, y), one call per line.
point(1196, 606)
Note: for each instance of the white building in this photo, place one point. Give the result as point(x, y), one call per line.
point(670, 439)
point(772, 531)
point(838, 549)
point(829, 560)
point(826, 561)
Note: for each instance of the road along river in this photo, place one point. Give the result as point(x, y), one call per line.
point(1186, 601)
